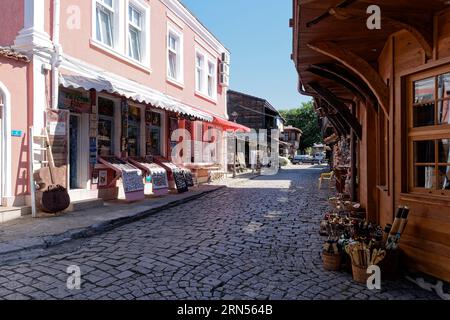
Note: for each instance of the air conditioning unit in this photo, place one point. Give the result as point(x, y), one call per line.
point(226, 57)
point(224, 80)
point(224, 68)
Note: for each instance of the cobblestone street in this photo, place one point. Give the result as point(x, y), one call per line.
point(258, 240)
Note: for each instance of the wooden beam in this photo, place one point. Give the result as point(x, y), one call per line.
point(342, 73)
point(342, 128)
point(419, 33)
point(359, 66)
point(339, 106)
point(329, 76)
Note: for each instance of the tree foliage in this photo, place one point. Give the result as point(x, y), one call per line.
point(306, 119)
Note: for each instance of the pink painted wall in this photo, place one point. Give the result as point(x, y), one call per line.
point(14, 75)
point(13, 10)
point(76, 43)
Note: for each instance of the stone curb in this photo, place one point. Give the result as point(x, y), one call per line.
point(17, 246)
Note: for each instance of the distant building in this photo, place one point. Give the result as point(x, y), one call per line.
point(256, 113)
point(292, 136)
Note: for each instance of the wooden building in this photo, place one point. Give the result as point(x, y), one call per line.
point(387, 89)
point(253, 112)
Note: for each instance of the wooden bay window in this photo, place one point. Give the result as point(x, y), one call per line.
point(429, 132)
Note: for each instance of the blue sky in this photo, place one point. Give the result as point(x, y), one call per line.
point(258, 35)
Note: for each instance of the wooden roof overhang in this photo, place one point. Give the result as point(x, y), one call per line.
point(337, 54)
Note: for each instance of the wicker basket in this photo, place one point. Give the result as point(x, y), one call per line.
point(331, 262)
point(360, 274)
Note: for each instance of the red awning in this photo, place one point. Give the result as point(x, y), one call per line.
point(230, 126)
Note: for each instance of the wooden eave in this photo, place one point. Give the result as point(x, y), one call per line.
point(352, 35)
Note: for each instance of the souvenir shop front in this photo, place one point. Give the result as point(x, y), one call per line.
point(116, 147)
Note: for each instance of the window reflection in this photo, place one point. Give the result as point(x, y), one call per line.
point(444, 150)
point(443, 112)
point(424, 90)
point(424, 177)
point(424, 151)
point(424, 115)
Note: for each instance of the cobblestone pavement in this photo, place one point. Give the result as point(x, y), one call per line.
point(257, 240)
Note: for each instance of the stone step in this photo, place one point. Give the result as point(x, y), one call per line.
point(12, 213)
point(85, 204)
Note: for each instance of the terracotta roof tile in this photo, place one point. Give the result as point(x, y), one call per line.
point(11, 54)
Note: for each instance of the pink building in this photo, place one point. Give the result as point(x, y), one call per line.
point(120, 76)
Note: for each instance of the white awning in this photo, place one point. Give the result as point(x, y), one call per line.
point(133, 91)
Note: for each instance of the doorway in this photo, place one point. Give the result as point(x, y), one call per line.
point(74, 151)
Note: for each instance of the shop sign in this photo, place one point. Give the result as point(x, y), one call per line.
point(17, 133)
point(133, 185)
point(75, 102)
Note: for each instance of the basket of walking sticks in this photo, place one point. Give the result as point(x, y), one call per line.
point(363, 256)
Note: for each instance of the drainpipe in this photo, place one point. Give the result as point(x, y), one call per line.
point(57, 52)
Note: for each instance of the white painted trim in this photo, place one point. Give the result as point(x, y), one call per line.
point(184, 15)
point(171, 28)
point(101, 46)
point(86, 69)
point(207, 59)
point(204, 47)
point(6, 187)
point(175, 20)
point(33, 33)
point(146, 32)
point(117, 25)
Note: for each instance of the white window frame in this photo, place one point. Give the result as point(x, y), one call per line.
point(120, 33)
point(145, 11)
point(213, 77)
point(207, 60)
point(202, 70)
point(115, 22)
point(172, 30)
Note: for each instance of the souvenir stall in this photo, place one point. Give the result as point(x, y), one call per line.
point(354, 244)
point(180, 179)
point(131, 178)
point(156, 181)
point(342, 165)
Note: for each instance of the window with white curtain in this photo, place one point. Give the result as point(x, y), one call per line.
point(174, 56)
point(205, 75)
point(199, 72)
point(211, 79)
point(135, 23)
point(105, 22)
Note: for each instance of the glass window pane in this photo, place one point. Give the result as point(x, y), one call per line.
point(424, 151)
point(199, 80)
point(109, 2)
point(105, 107)
point(210, 86)
point(444, 178)
point(210, 68)
point(443, 112)
point(424, 177)
point(444, 150)
point(105, 136)
point(105, 28)
point(424, 115)
point(444, 86)
point(424, 90)
point(135, 44)
point(173, 42)
point(172, 65)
